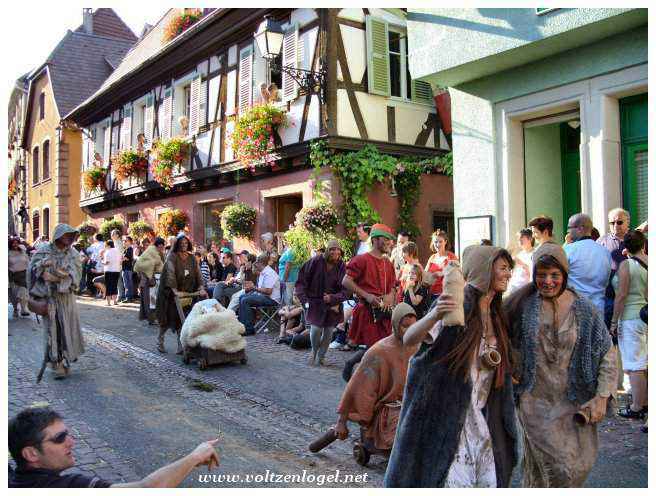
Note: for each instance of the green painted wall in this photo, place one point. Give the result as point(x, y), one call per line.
point(605, 56)
point(543, 175)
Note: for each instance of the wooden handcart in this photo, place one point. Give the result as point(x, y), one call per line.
point(205, 357)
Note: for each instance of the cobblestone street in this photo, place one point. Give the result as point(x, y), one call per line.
point(133, 410)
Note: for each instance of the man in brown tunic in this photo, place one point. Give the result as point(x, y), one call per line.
point(373, 395)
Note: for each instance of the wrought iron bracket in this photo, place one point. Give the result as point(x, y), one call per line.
point(309, 82)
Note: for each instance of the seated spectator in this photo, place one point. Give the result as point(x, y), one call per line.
point(293, 329)
point(415, 293)
point(225, 275)
point(42, 447)
point(246, 273)
point(265, 294)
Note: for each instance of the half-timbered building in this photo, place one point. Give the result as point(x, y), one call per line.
point(213, 71)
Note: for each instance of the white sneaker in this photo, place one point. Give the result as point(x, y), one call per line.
point(334, 345)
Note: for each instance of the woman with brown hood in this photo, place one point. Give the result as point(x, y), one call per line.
point(181, 274)
point(565, 365)
point(444, 438)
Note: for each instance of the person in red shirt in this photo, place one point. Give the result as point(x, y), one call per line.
point(372, 278)
point(438, 260)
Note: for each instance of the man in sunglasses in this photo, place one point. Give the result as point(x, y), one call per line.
point(618, 224)
point(42, 447)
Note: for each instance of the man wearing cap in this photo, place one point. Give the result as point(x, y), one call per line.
point(371, 277)
point(374, 393)
point(53, 277)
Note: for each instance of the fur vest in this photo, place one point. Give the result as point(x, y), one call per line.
point(149, 262)
point(592, 344)
point(435, 404)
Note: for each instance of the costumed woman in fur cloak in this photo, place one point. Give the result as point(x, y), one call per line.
point(565, 364)
point(457, 426)
point(180, 274)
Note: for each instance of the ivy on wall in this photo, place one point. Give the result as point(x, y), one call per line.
point(359, 171)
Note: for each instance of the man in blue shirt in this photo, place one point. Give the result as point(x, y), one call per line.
point(589, 262)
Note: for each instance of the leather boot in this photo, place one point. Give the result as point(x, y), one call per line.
point(160, 341)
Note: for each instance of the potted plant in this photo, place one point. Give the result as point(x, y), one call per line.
point(253, 136)
point(108, 226)
point(320, 216)
point(129, 163)
point(139, 229)
point(180, 23)
point(94, 178)
point(171, 222)
point(12, 188)
point(238, 220)
point(166, 156)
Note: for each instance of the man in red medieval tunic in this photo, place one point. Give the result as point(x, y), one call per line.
point(371, 277)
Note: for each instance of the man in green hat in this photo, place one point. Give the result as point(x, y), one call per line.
point(371, 277)
point(53, 276)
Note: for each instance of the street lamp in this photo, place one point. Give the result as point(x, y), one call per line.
point(269, 37)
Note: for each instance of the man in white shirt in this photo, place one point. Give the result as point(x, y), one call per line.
point(362, 232)
point(589, 262)
point(94, 265)
point(265, 294)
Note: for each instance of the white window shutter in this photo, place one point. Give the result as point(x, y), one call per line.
point(245, 79)
point(165, 125)
point(378, 69)
point(202, 103)
point(87, 147)
point(194, 102)
point(126, 127)
point(290, 58)
point(148, 122)
point(106, 145)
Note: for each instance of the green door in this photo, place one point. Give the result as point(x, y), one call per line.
point(634, 130)
point(570, 139)
point(635, 182)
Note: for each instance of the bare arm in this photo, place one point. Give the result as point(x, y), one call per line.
point(172, 475)
point(623, 276)
point(418, 331)
point(350, 285)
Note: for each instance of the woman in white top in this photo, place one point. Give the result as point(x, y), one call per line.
point(521, 274)
point(112, 262)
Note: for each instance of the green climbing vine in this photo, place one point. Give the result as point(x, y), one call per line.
point(359, 171)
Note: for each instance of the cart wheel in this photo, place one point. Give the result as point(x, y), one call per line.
point(361, 454)
point(244, 361)
point(202, 364)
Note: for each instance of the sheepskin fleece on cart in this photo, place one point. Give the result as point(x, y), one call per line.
point(210, 325)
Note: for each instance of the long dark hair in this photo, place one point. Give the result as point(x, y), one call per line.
point(460, 358)
point(178, 242)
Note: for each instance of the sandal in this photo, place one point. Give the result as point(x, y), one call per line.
point(629, 413)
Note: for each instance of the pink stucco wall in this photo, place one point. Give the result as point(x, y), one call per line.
point(436, 195)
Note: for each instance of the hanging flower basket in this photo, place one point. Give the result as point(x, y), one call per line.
point(321, 216)
point(238, 220)
point(170, 223)
point(139, 229)
point(87, 229)
point(180, 23)
point(94, 178)
point(129, 163)
point(253, 137)
point(12, 189)
point(168, 155)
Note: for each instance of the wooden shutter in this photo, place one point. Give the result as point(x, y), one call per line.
point(148, 121)
point(126, 127)
point(165, 125)
point(194, 102)
point(421, 92)
point(106, 145)
point(378, 70)
point(245, 78)
point(87, 149)
point(290, 58)
point(202, 103)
